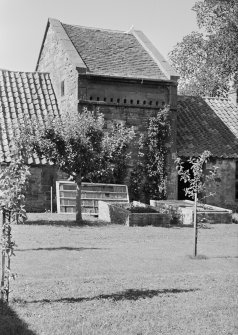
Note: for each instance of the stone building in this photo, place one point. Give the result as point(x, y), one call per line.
point(124, 75)
point(211, 124)
point(28, 96)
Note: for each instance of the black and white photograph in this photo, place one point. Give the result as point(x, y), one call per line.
point(119, 167)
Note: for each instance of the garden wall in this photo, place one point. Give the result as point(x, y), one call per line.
point(182, 212)
point(118, 214)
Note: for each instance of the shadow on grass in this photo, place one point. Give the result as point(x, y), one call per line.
point(61, 248)
point(198, 257)
point(130, 294)
point(224, 257)
point(66, 223)
point(10, 323)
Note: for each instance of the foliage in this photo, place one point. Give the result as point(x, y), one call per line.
point(195, 176)
point(80, 145)
point(136, 207)
point(235, 218)
point(150, 173)
point(207, 61)
point(12, 184)
point(196, 180)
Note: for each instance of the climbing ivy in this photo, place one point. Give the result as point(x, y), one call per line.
point(12, 184)
point(148, 178)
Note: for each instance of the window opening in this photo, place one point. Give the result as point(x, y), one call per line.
point(62, 88)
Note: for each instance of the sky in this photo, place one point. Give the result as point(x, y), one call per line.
point(23, 23)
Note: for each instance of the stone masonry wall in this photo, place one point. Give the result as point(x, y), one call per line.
point(132, 104)
point(224, 188)
point(54, 59)
point(132, 93)
point(38, 193)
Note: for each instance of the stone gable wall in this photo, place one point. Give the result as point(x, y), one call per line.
point(54, 59)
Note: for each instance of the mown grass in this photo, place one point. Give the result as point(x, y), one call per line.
point(122, 280)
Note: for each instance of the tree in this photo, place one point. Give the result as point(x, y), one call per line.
point(207, 61)
point(149, 177)
point(197, 180)
point(81, 146)
point(12, 185)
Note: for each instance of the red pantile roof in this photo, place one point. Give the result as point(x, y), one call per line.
point(207, 124)
point(23, 96)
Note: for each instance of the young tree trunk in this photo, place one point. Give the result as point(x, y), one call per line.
point(79, 219)
point(195, 226)
point(8, 251)
point(3, 256)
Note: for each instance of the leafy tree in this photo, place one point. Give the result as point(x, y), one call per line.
point(207, 61)
point(81, 146)
point(149, 176)
point(12, 186)
point(196, 179)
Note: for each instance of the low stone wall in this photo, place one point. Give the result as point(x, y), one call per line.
point(111, 213)
point(215, 217)
point(148, 219)
point(114, 214)
point(182, 213)
point(174, 211)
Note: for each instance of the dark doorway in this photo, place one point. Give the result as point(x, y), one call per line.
point(182, 185)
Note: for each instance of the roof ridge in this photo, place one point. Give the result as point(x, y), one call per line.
point(217, 98)
point(26, 72)
point(97, 28)
point(202, 97)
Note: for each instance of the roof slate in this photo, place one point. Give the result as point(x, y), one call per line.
point(207, 124)
point(23, 96)
point(113, 53)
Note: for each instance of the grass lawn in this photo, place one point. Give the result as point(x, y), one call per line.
point(121, 280)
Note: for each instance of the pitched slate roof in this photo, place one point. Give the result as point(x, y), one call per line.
point(207, 124)
point(23, 96)
point(114, 53)
point(110, 53)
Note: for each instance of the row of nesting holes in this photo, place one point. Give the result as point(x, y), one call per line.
point(125, 101)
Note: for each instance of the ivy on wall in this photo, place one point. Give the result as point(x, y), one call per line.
point(148, 178)
point(13, 179)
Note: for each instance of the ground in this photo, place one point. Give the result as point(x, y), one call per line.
point(121, 280)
